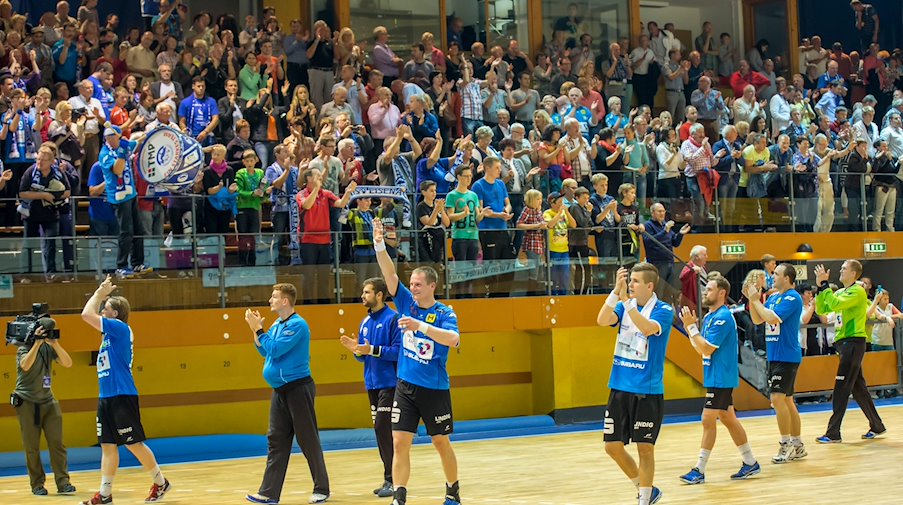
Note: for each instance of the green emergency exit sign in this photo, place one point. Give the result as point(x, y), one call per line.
point(875, 248)
point(733, 249)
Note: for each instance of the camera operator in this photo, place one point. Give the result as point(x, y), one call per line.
point(39, 411)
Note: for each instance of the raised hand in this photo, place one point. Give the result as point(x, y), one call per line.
point(379, 231)
point(688, 317)
point(821, 274)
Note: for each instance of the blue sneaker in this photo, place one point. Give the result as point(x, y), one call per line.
point(747, 471)
point(825, 439)
point(656, 495)
point(124, 273)
point(449, 501)
point(256, 498)
point(871, 435)
point(694, 476)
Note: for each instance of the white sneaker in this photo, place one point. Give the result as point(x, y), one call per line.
point(318, 498)
point(785, 453)
point(799, 452)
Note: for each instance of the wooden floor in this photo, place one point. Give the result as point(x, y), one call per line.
point(556, 469)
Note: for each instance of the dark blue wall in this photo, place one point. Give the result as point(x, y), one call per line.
point(835, 21)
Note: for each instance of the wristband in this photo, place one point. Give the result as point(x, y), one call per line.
point(423, 327)
point(692, 330)
point(379, 246)
point(259, 332)
point(612, 300)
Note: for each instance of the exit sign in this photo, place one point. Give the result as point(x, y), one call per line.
point(733, 250)
point(875, 248)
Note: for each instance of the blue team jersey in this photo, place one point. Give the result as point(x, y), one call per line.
point(422, 360)
point(493, 197)
point(720, 370)
point(639, 362)
point(380, 329)
point(782, 341)
point(120, 188)
point(114, 361)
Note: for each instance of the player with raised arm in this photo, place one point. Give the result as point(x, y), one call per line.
point(636, 406)
point(422, 392)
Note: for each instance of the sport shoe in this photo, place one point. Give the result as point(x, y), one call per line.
point(656, 495)
point(385, 491)
point(825, 439)
point(124, 273)
point(142, 269)
point(449, 501)
point(99, 499)
point(871, 435)
point(39, 491)
point(747, 471)
point(799, 452)
point(256, 498)
point(694, 476)
point(785, 453)
point(67, 489)
point(157, 491)
point(318, 498)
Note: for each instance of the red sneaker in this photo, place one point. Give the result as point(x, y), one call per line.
point(99, 499)
point(157, 492)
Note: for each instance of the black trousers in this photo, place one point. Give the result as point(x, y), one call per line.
point(850, 380)
point(381, 412)
point(496, 244)
point(248, 224)
point(292, 415)
point(131, 239)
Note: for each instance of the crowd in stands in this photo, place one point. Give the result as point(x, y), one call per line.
point(560, 154)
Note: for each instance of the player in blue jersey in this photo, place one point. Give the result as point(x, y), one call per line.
point(429, 329)
point(782, 316)
point(118, 418)
point(377, 346)
point(636, 406)
point(717, 343)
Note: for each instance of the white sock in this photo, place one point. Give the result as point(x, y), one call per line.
point(703, 459)
point(106, 485)
point(785, 439)
point(157, 475)
point(746, 451)
point(645, 495)
point(636, 482)
point(796, 441)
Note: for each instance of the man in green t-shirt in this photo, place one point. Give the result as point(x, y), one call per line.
point(39, 411)
point(850, 304)
point(464, 211)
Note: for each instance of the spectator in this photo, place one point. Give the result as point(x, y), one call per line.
point(884, 185)
point(321, 53)
point(857, 166)
point(65, 57)
point(314, 204)
point(102, 218)
point(121, 189)
point(384, 118)
point(745, 76)
point(660, 241)
point(185, 72)
point(232, 109)
point(433, 219)
point(697, 152)
point(20, 134)
point(282, 180)
point(43, 189)
point(558, 220)
point(141, 60)
point(235, 149)
point(465, 213)
point(338, 105)
point(885, 316)
point(251, 78)
point(219, 185)
point(252, 189)
point(693, 277)
point(199, 114)
point(384, 59)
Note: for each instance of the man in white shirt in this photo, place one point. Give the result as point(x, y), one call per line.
point(893, 134)
point(166, 90)
point(817, 55)
point(780, 110)
point(85, 103)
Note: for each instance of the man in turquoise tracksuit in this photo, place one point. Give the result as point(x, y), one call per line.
point(286, 347)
